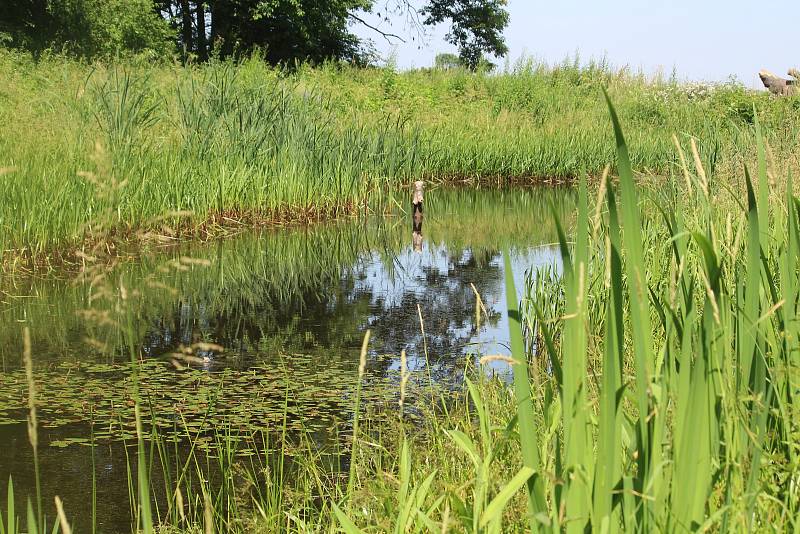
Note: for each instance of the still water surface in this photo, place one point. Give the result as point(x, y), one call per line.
point(289, 307)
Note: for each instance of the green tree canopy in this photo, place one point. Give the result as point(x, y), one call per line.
point(447, 61)
point(477, 26)
point(285, 31)
point(86, 28)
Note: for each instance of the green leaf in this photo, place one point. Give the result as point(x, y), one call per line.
point(638, 294)
point(495, 508)
point(522, 392)
point(347, 525)
point(33, 527)
point(12, 514)
point(466, 444)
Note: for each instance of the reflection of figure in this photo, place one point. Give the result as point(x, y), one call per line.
point(416, 232)
point(416, 203)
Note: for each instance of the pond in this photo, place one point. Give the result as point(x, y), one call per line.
point(274, 322)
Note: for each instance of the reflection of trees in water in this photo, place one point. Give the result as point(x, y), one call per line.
point(447, 302)
point(331, 320)
point(253, 330)
point(282, 289)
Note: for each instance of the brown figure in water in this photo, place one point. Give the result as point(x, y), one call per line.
point(416, 200)
point(777, 85)
point(416, 228)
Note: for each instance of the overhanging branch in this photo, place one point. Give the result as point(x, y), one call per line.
point(386, 35)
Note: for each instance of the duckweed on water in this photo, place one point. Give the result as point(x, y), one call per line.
point(188, 400)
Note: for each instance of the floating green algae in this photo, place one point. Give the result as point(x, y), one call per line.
point(184, 402)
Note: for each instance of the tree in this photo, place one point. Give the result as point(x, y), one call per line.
point(288, 31)
point(85, 28)
point(88, 28)
point(445, 61)
point(285, 31)
point(20, 21)
point(477, 26)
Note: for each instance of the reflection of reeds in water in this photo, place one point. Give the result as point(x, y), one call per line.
point(273, 271)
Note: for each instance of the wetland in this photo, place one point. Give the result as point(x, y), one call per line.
point(258, 337)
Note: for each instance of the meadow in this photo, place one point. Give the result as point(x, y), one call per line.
point(199, 149)
point(653, 378)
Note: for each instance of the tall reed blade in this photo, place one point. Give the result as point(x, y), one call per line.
point(638, 298)
point(573, 357)
point(608, 470)
point(522, 395)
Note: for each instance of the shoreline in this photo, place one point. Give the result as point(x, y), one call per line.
point(123, 241)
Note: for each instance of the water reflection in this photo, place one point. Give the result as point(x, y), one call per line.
point(271, 297)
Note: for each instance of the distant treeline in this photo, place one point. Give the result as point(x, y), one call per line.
point(285, 31)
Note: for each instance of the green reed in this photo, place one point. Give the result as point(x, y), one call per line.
point(244, 143)
point(669, 408)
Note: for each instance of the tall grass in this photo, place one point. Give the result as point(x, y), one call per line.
point(230, 151)
point(690, 358)
point(245, 144)
point(660, 394)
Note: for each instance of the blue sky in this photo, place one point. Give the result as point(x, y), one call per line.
point(700, 39)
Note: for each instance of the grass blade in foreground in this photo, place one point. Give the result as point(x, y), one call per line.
point(632, 239)
point(522, 394)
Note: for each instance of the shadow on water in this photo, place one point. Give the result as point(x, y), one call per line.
point(290, 309)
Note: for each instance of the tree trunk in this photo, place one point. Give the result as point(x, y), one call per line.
point(214, 14)
point(221, 15)
point(186, 28)
point(202, 44)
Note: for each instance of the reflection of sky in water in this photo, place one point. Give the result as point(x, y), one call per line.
point(410, 270)
point(385, 291)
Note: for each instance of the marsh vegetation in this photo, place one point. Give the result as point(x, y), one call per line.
point(182, 350)
point(202, 150)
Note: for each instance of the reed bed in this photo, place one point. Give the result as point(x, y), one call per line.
point(653, 386)
point(668, 359)
point(204, 148)
point(654, 390)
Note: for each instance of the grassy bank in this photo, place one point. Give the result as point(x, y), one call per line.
point(177, 150)
point(661, 395)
